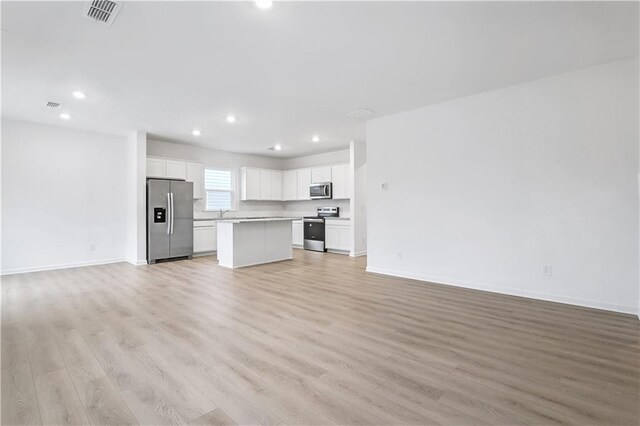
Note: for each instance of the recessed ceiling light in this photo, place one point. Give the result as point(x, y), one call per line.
point(79, 95)
point(278, 147)
point(315, 138)
point(231, 119)
point(264, 4)
point(65, 116)
point(196, 132)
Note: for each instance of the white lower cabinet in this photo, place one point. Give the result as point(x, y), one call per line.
point(204, 236)
point(297, 233)
point(337, 235)
point(344, 238)
point(331, 237)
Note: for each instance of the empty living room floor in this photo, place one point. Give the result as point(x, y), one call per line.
point(315, 340)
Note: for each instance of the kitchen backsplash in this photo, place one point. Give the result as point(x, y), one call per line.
point(277, 208)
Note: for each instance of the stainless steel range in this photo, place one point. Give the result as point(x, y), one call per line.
point(314, 228)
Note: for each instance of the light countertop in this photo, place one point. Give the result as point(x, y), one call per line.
point(256, 219)
point(217, 219)
point(253, 219)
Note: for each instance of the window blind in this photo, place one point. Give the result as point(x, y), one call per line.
point(217, 179)
point(219, 187)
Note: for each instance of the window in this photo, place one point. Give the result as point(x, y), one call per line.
point(219, 187)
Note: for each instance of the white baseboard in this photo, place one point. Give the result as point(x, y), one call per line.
point(60, 266)
point(358, 254)
point(337, 251)
point(204, 253)
point(626, 309)
point(137, 262)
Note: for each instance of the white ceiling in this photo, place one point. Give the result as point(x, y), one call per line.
point(290, 72)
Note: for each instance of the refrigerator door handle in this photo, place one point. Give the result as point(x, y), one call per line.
point(169, 215)
point(172, 212)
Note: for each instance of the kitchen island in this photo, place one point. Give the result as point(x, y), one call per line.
point(246, 242)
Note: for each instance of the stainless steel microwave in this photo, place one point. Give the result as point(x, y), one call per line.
point(321, 190)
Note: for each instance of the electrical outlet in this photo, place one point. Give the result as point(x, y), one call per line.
point(546, 270)
point(92, 247)
point(399, 254)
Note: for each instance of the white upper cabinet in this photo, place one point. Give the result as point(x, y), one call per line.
point(260, 184)
point(265, 184)
point(290, 185)
point(195, 174)
point(156, 167)
point(304, 181)
point(249, 184)
point(176, 169)
point(276, 185)
point(340, 179)
point(321, 174)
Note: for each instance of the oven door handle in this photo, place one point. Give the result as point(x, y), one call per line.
point(314, 220)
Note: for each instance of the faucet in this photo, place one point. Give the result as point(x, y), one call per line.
point(222, 212)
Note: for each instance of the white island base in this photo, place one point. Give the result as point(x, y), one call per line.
point(246, 242)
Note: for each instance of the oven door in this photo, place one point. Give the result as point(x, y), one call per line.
point(314, 234)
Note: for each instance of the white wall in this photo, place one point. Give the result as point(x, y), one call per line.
point(484, 190)
point(137, 198)
point(333, 157)
point(64, 197)
point(358, 171)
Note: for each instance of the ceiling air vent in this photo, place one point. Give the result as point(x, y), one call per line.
point(104, 11)
point(360, 113)
point(54, 105)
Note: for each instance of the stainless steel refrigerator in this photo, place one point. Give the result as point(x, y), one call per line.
point(169, 219)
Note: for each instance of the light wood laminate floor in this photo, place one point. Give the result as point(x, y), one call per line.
point(311, 341)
